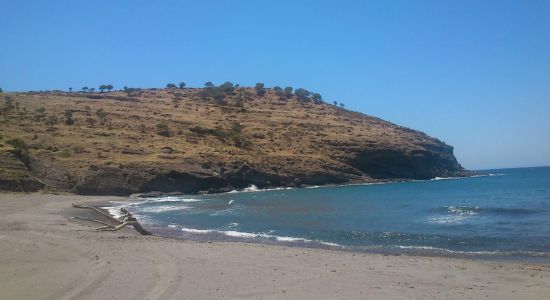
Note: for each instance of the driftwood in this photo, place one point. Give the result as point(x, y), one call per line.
point(113, 223)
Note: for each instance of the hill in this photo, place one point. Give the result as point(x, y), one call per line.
point(202, 140)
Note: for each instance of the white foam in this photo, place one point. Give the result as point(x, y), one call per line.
point(163, 208)
point(313, 187)
point(456, 215)
point(253, 189)
point(113, 211)
point(330, 244)
point(169, 199)
point(192, 230)
point(249, 235)
point(230, 202)
point(472, 252)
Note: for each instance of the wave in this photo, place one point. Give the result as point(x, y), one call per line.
point(456, 214)
point(162, 208)
point(252, 188)
point(445, 250)
point(474, 210)
point(464, 177)
point(250, 235)
point(168, 199)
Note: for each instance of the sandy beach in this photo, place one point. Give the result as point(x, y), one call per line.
point(44, 254)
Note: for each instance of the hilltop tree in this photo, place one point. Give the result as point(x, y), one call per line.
point(279, 91)
point(227, 87)
point(1, 91)
point(288, 91)
point(109, 87)
point(182, 85)
point(209, 84)
point(302, 94)
point(85, 89)
point(170, 86)
point(342, 105)
point(335, 103)
point(260, 91)
point(317, 98)
point(102, 88)
point(70, 90)
point(91, 90)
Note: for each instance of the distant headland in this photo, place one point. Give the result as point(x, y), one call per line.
point(211, 139)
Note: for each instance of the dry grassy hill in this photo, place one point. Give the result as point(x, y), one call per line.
point(193, 140)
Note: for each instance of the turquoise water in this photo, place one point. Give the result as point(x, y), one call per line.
point(506, 212)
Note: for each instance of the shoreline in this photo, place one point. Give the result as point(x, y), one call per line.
point(46, 255)
point(210, 235)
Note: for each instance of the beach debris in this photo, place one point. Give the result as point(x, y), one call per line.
point(113, 224)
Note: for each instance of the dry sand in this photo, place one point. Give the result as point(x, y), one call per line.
point(46, 255)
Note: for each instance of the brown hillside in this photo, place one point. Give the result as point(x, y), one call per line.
point(183, 140)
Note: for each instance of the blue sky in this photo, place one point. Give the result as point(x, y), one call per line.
point(475, 74)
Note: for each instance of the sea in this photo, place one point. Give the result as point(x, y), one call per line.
point(497, 213)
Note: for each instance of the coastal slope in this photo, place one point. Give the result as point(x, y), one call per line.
point(202, 140)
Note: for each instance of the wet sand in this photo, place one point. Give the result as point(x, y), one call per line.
point(44, 254)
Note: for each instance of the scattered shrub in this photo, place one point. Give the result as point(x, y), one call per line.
point(239, 101)
point(65, 153)
point(41, 110)
point(8, 104)
point(102, 115)
point(51, 120)
point(78, 149)
point(235, 134)
point(170, 86)
point(90, 122)
point(20, 150)
point(69, 117)
point(162, 129)
point(182, 85)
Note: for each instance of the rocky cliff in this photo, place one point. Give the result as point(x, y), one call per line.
point(197, 140)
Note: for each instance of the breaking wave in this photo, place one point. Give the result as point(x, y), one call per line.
point(259, 236)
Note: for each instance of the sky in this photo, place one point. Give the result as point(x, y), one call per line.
point(475, 74)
